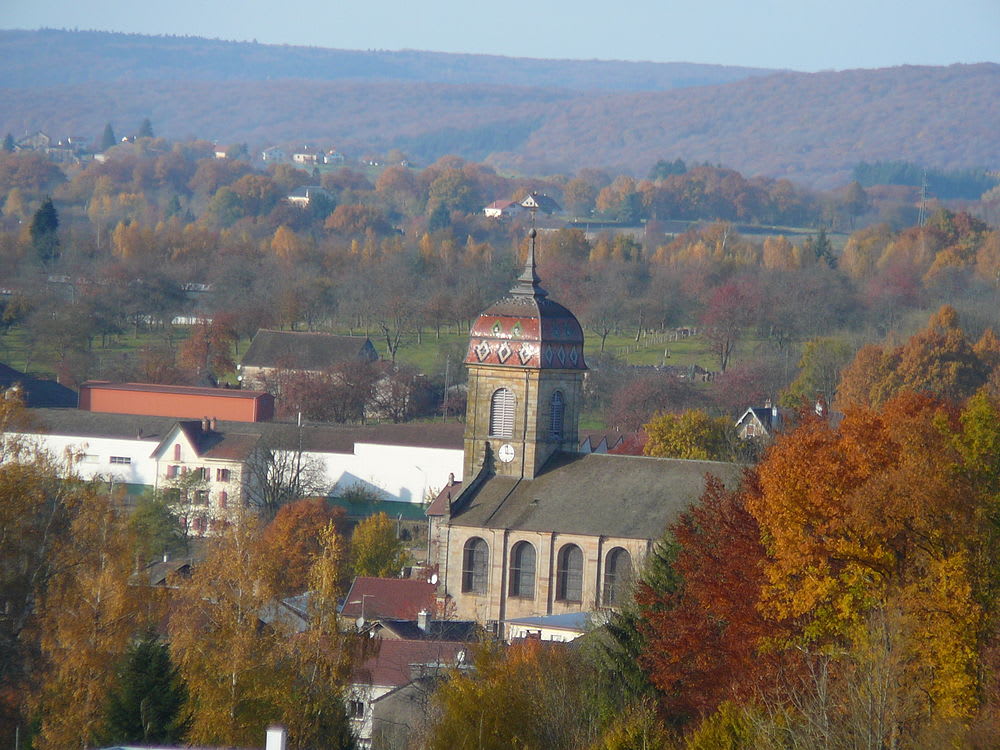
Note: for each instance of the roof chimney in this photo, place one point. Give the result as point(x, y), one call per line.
point(451, 479)
point(204, 424)
point(424, 620)
point(214, 424)
point(276, 738)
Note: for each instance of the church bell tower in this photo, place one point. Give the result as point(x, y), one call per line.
point(526, 370)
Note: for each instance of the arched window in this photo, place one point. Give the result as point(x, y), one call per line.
point(475, 566)
point(617, 575)
point(502, 413)
point(522, 571)
point(557, 410)
point(569, 574)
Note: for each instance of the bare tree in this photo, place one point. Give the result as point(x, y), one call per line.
point(276, 476)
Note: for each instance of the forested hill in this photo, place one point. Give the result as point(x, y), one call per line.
point(50, 57)
point(531, 116)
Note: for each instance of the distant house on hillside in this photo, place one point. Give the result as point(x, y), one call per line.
point(499, 209)
point(273, 153)
point(304, 195)
point(543, 203)
point(760, 422)
point(300, 352)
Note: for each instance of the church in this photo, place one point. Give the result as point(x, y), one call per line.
point(537, 528)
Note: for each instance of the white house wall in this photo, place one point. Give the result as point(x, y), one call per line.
point(91, 456)
point(399, 473)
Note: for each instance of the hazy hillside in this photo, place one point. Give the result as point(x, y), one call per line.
point(811, 128)
point(51, 57)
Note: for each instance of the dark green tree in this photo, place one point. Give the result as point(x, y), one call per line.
point(158, 530)
point(822, 248)
point(663, 169)
point(440, 218)
point(44, 232)
point(147, 703)
point(108, 138)
point(145, 128)
point(8, 143)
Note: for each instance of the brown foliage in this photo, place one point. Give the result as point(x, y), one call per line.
point(295, 532)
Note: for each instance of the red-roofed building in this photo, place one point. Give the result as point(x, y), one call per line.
point(398, 663)
point(394, 598)
point(178, 401)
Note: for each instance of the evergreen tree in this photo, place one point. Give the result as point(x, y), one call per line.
point(440, 218)
point(823, 248)
point(145, 129)
point(8, 143)
point(145, 705)
point(43, 232)
point(108, 138)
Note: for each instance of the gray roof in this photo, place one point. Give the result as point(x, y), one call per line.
point(319, 438)
point(295, 350)
point(634, 497)
point(35, 391)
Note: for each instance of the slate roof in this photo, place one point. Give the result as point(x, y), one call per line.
point(623, 496)
point(315, 438)
point(306, 351)
point(37, 393)
point(464, 631)
point(397, 598)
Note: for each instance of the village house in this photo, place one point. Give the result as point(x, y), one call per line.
point(300, 352)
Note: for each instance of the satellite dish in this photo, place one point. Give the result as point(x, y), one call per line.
point(434, 579)
point(360, 622)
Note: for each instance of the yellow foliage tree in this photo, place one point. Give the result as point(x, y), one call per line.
point(692, 434)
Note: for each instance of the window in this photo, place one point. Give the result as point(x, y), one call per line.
point(522, 571)
point(557, 410)
point(617, 575)
point(177, 452)
point(222, 475)
point(121, 460)
point(502, 413)
point(223, 499)
point(356, 709)
point(204, 474)
point(171, 472)
point(569, 574)
point(201, 497)
point(475, 562)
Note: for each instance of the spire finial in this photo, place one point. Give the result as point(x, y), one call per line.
point(528, 283)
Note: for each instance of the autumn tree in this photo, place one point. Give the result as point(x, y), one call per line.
point(528, 697)
point(234, 682)
point(880, 514)
point(939, 360)
point(86, 618)
point(376, 550)
point(278, 475)
point(692, 434)
point(703, 631)
point(207, 354)
point(296, 531)
point(819, 371)
point(731, 308)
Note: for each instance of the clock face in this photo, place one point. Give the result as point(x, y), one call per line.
point(506, 453)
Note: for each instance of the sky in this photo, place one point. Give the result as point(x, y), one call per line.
point(805, 35)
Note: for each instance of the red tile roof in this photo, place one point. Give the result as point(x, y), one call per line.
point(390, 667)
point(398, 598)
point(439, 505)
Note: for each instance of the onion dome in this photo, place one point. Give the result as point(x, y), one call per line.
point(526, 329)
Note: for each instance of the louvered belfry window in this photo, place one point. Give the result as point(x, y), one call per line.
point(557, 412)
point(502, 413)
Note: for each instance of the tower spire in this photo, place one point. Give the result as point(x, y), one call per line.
point(528, 283)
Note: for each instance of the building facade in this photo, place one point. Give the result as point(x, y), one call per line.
point(538, 528)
